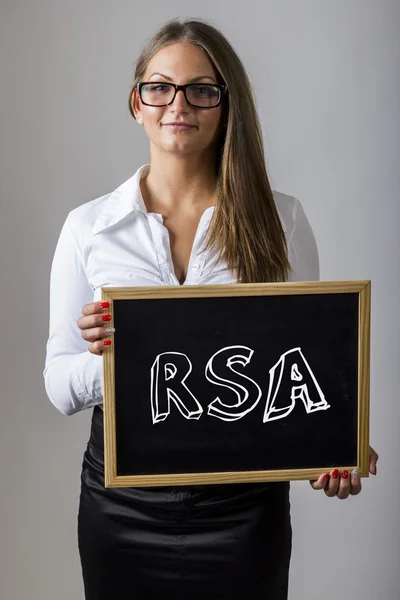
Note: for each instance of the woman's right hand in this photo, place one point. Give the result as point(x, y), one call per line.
point(95, 326)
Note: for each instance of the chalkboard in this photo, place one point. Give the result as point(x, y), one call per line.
point(236, 383)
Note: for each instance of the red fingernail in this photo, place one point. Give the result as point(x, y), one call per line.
point(345, 474)
point(335, 474)
point(106, 317)
point(326, 477)
point(104, 304)
point(107, 342)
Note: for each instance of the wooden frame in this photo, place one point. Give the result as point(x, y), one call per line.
point(362, 288)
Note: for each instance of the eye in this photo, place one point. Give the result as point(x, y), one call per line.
point(158, 87)
point(203, 90)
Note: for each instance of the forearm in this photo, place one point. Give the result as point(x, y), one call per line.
point(73, 376)
point(74, 382)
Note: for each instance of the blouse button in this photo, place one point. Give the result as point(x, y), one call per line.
point(196, 267)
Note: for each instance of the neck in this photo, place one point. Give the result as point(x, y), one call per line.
point(179, 184)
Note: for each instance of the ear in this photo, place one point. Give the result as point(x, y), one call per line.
point(135, 103)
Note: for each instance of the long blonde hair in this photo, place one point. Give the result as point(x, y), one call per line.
point(245, 227)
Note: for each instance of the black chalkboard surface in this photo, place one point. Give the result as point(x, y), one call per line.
point(249, 382)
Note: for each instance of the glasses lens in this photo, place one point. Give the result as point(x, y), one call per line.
point(203, 95)
point(157, 94)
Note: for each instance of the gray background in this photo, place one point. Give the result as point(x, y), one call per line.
point(327, 80)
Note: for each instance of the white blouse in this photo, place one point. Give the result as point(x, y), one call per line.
point(114, 241)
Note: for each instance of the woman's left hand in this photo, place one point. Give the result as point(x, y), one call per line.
point(344, 484)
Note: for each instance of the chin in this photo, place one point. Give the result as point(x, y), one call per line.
point(177, 147)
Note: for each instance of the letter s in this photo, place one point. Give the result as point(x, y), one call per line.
point(247, 392)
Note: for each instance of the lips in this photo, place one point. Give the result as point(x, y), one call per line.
point(178, 124)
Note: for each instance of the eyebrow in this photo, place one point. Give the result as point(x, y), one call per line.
point(190, 80)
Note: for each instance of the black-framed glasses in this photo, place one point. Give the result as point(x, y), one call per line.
point(198, 95)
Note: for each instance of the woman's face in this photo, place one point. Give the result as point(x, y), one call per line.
point(180, 63)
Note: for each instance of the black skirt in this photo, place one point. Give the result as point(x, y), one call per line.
point(211, 542)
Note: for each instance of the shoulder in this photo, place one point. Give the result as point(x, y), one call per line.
point(302, 246)
point(82, 218)
point(288, 208)
point(100, 214)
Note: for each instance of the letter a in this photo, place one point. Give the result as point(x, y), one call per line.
point(168, 376)
point(292, 367)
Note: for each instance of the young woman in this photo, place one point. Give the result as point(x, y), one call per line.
point(206, 181)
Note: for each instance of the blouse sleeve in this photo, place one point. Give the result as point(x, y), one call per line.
point(302, 248)
point(73, 375)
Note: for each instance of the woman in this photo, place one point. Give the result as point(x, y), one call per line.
point(206, 182)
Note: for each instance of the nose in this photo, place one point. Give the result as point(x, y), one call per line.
point(180, 103)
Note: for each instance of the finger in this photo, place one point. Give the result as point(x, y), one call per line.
point(99, 346)
point(344, 485)
point(320, 483)
point(373, 459)
point(93, 320)
point(355, 483)
point(333, 485)
point(95, 307)
point(96, 333)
